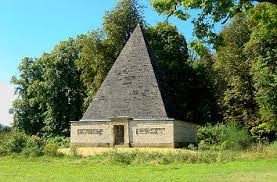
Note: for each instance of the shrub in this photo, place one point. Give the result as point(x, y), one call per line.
point(222, 137)
point(4, 130)
point(2, 137)
point(63, 142)
point(264, 133)
point(51, 149)
point(14, 142)
point(192, 147)
point(19, 142)
point(210, 134)
point(235, 137)
point(34, 147)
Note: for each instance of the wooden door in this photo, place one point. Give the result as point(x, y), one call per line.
point(119, 134)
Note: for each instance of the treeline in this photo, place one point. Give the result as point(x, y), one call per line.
point(237, 82)
point(4, 129)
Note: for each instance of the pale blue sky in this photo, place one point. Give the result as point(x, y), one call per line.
point(31, 27)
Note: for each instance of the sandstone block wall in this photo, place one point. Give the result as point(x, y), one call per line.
point(137, 133)
point(151, 133)
point(97, 133)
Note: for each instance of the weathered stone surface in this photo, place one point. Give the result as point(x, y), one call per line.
point(106, 136)
point(150, 136)
point(156, 132)
point(134, 87)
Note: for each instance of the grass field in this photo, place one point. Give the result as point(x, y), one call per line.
point(84, 169)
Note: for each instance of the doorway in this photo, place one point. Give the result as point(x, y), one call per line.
point(118, 134)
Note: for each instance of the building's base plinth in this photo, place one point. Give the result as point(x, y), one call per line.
point(135, 145)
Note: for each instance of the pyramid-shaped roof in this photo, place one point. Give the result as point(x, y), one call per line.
point(135, 86)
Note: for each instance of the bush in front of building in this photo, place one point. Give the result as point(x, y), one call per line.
point(51, 149)
point(61, 141)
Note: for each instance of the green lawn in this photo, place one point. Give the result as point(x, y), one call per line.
point(64, 169)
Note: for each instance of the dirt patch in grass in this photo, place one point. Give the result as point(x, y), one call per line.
point(88, 151)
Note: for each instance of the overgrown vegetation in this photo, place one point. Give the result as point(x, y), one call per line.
point(35, 147)
point(16, 142)
point(183, 156)
point(180, 156)
point(3, 131)
point(223, 137)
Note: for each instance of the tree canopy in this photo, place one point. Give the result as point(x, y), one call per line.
point(50, 92)
point(210, 13)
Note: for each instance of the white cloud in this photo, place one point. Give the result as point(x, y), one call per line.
point(6, 98)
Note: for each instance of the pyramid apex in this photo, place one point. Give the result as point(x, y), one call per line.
point(138, 27)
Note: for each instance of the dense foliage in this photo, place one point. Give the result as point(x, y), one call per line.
point(209, 13)
point(261, 50)
point(50, 92)
point(245, 68)
point(17, 142)
point(222, 137)
point(235, 83)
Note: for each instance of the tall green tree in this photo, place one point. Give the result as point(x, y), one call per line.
point(50, 92)
point(234, 78)
point(169, 45)
point(27, 113)
point(189, 81)
point(64, 91)
point(261, 50)
point(120, 22)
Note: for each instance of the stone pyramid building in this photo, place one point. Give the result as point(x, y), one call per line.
point(133, 106)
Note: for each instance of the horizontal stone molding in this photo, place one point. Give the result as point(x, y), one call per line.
point(92, 144)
